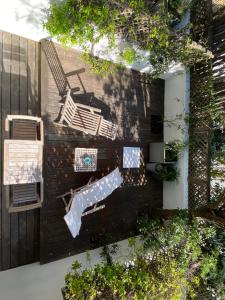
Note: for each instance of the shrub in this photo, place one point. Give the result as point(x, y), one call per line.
point(182, 254)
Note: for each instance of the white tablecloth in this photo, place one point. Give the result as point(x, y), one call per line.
point(22, 161)
point(90, 195)
point(131, 157)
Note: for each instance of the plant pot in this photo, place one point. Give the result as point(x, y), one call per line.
point(154, 167)
point(63, 290)
point(163, 171)
point(169, 172)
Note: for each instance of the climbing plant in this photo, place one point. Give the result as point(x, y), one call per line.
point(129, 27)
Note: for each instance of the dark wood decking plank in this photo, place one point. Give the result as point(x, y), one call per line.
point(5, 111)
point(15, 106)
point(44, 81)
point(23, 111)
point(32, 215)
point(125, 101)
point(37, 79)
point(37, 93)
point(19, 233)
point(1, 149)
point(31, 75)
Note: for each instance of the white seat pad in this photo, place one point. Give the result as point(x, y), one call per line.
point(89, 196)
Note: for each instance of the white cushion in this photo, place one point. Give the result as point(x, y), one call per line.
point(89, 196)
point(131, 157)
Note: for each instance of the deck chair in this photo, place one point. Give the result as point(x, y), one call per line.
point(77, 201)
point(25, 131)
point(60, 77)
point(86, 119)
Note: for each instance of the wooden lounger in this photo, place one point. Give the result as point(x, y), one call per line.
point(24, 196)
point(67, 199)
point(86, 119)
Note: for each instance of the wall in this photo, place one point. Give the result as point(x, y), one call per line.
point(176, 108)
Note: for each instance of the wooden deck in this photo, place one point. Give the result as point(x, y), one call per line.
point(19, 232)
point(125, 101)
point(27, 86)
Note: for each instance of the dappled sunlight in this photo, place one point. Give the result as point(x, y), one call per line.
point(123, 100)
point(136, 177)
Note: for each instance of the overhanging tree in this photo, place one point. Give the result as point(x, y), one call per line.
point(141, 25)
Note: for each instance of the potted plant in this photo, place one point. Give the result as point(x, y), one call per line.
point(173, 150)
point(64, 290)
point(171, 153)
point(169, 173)
point(163, 171)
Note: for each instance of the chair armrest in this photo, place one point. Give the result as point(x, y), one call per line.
point(23, 117)
point(42, 132)
point(79, 71)
point(20, 117)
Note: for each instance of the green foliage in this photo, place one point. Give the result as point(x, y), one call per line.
point(169, 173)
point(205, 105)
point(74, 21)
point(129, 55)
point(213, 284)
point(174, 150)
point(217, 196)
point(179, 7)
point(85, 23)
point(182, 253)
point(97, 65)
point(218, 161)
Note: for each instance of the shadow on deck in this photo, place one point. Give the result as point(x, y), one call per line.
point(125, 101)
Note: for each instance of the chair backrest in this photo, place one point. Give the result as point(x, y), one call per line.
point(24, 197)
point(24, 130)
point(55, 65)
point(107, 129)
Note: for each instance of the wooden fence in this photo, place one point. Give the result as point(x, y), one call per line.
point(199, 154)
point(211, 34)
